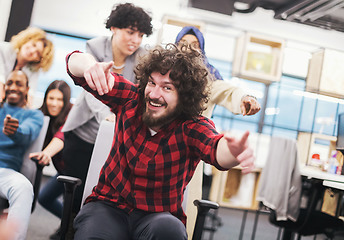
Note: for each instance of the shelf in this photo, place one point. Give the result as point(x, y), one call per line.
point(314, 143)
point(326, 73)
point(235, 190)
point(258, 58)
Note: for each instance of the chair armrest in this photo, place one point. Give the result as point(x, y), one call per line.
point(70, 184)
point(69, 180)
point(205, 204)
point(203, 207)
point(37, 183)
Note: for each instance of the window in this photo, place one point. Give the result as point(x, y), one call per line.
point(63, 45)
point(289, 109)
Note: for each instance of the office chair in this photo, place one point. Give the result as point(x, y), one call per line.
point(30, 167)
point(281, 189)
point(100, 153)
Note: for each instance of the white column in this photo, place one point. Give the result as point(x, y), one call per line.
point(5, 9)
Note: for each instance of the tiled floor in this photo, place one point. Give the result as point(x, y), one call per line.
point(43, 224)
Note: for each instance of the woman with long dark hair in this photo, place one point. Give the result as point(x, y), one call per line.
point(56, 105)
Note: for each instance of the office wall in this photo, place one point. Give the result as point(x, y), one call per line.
point(86, 17)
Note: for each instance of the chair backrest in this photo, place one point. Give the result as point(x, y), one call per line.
point(100, 153)
point(28, 168)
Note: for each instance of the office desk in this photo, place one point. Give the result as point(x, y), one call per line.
point(312, 172)
point(328, 180)
point(332, 184)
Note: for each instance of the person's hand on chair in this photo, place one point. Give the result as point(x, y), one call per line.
point(43, 158)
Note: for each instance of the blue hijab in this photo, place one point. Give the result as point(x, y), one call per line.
point(194, 31)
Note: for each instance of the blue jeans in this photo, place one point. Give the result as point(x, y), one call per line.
point(18, 190)
point(102, 220)
point(48, 196)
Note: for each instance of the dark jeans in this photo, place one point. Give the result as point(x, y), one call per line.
point(77, 156)
point(48, 196)
point(101, 220)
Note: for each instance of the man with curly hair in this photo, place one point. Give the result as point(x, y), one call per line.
point(128, 24)
point(160, 138)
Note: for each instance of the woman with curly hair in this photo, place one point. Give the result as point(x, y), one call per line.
point(160, 137)
point(128, 24)
point(29, 51)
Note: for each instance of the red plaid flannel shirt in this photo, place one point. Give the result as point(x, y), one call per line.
point(147, 172)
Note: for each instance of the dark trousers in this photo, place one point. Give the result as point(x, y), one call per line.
point(101, 220)
point(77, 156)
point(49, 196)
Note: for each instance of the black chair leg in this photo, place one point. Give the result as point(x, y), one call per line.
point(243, 222)
point(279, 234)
point(216, 221)
point(256, 217)
point(287, 235)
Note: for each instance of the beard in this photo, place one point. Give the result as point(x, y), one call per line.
point(168, 116)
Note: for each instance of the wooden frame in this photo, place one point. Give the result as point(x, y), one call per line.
point(176, 21)
point(306, 143)
point(325, 73)
point(226, 188)
point(258, 58)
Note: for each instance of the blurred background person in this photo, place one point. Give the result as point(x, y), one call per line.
point(56, 105)
point(19, 127)
point(128, 24)
point(29, 51)
point(223, 93)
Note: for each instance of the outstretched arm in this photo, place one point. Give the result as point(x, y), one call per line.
point(235, 151)
point(54, 147)
point(25, 131)
point(231, 97)
point(11, 125)
point(96, 74)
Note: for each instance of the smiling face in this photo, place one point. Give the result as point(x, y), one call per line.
point(32, 51)
point(161, 101)
point(126, 40)
point(54, 102)
point(16, 89)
